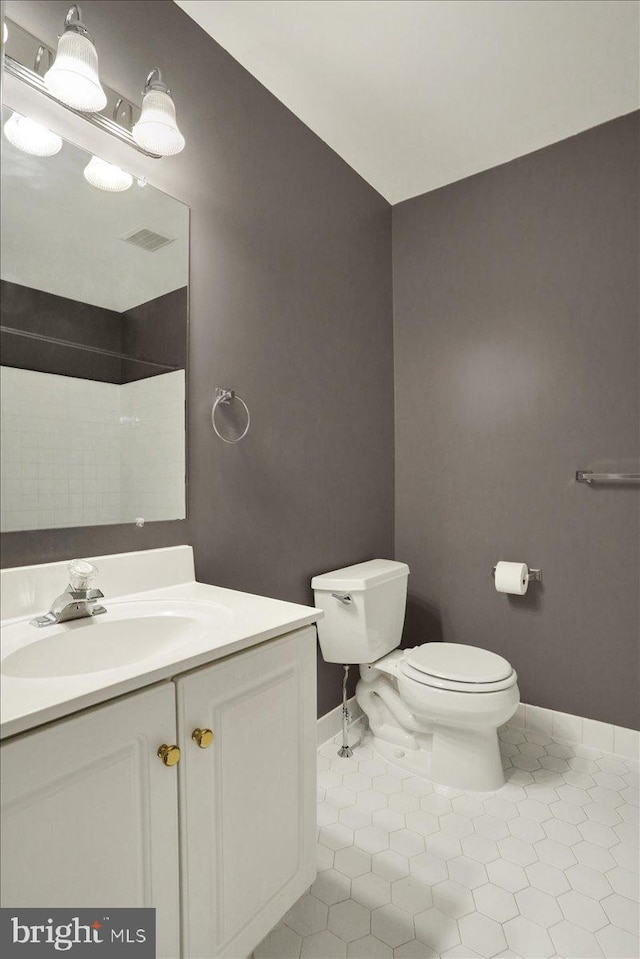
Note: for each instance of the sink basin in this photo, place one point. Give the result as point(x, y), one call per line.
point(128, 633)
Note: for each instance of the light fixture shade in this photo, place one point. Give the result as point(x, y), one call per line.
point(157, 130)
point(31, 137)
point(106, 176)
point(73, 78)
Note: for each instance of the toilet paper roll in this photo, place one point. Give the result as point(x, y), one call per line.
point(512, 578)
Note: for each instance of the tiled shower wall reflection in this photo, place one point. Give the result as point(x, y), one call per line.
point(79, 452)
point(152, 448)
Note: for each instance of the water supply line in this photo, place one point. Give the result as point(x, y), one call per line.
point(345, 750)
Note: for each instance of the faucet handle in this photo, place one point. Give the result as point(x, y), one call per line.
point(81, 572)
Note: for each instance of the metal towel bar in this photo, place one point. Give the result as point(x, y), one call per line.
point(587, 476)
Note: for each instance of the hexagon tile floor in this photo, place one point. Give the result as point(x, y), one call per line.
point(546, 867)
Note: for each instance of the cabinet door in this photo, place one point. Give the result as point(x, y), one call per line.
point(89, 813)
point(248, 800)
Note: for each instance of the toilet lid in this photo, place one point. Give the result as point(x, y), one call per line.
point(425, 679)
point(462, 664)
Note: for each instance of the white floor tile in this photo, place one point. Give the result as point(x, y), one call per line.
point(517, 850)
point(437, 930)
point(372, 839)
point(390, 865)
point(428, 869)
point(625, 883)
point(414, 950)
point(411, 895)
point(621, 912)
point(281, 943)
point(483, 935)
point(528, 939)
point(406, 842)
point(354, 817)
point(507, 875)
point(467, 872)
point(422, 822)
point(371, 890)
point(481, 848)
point(392, 819)
point(392, 925)
point(607, 815)
point(538, 906)
point(322, 945)
point(443, 847)
point(352, 861)
point(573, 942)
point(495, 902)
point(349, 920)
point(582, 910)
point(369, 948)
point(589, 854)
point(548, 878)
point(616, 942)
point(590, 882)
point(307, 916)
point(331, 886)
point(453, 899)
point(408, 869)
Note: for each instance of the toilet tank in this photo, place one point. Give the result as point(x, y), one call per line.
point(369, 624)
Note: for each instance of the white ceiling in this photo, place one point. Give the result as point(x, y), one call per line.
point(414, 94)
point(63, 236)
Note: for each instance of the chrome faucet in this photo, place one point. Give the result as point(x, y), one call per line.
point(78, 600)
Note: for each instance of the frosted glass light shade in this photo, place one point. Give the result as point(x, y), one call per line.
point(31, 137)
point(106, 176)
point(157, 130)
point(73, 78)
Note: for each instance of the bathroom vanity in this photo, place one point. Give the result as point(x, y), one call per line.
point(181, 776)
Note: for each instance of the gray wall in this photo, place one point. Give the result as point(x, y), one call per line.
point(153, 335)
point(290, 305)
point(516, 350)
point(516, 363)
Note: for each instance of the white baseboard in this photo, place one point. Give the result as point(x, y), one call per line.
point(617, 740)
point(577, 730)
point(330, 724)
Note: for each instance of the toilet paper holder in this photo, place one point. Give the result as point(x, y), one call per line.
point(535, 575)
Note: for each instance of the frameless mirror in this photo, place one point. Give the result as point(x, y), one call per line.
point(94, 287)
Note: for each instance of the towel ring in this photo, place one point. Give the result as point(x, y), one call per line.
point(224, 397)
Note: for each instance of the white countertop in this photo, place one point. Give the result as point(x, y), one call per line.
point(244, 620)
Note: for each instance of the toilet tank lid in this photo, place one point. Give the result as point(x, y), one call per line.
point(361, 576)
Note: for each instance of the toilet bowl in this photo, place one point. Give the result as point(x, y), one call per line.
point(434, 709)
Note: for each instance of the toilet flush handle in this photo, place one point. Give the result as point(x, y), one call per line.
point(344, 598)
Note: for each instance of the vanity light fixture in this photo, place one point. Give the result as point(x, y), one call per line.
point(73, 79)
point(107, 176)
point(157, 130)
point(31, 137)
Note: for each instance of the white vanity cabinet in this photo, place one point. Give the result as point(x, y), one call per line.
point(248, 800)
point(91, 816)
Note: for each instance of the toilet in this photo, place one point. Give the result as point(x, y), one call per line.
point(434, 709)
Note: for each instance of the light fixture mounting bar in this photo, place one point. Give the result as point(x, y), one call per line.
point(35, 81)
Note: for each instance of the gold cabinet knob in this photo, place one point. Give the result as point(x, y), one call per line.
point(202, 737)
point(170, 755)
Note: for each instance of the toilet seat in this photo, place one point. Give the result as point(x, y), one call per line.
point(458, 667)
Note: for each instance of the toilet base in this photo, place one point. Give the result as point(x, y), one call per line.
point(441, 734)
point(413, 760)
point(467, 759)
point(470, 763)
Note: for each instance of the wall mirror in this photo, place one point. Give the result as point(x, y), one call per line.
point(94, 288)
